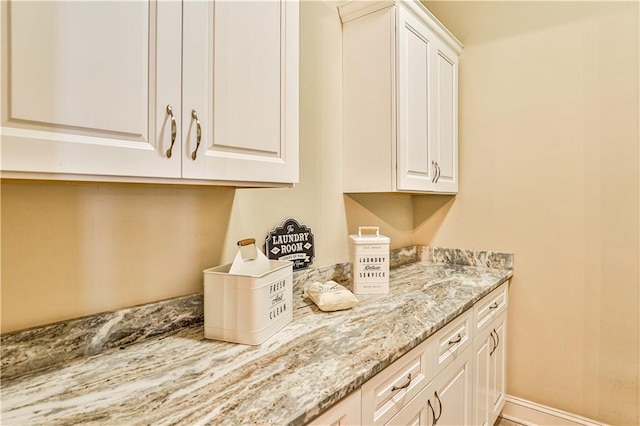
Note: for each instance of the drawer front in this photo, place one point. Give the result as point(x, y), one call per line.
point(390, 390)
point(452, 339)
point(417, 412)
point(491, 306)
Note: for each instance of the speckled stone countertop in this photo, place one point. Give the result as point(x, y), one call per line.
point(181, 378)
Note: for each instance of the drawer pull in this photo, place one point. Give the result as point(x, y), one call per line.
point(457, 339)
point(494, 305)
point(405, 385)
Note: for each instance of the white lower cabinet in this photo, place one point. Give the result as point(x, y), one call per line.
point(490, 354)
point(429, 385)
point(455, 377)
point(498, 368)
point(490, 373)
point(482, 346)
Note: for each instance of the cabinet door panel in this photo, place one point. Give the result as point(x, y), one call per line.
point(79, 87)
point(445, 116)
point(446, 124)
point(453, 386)
point(415, 170)
point(497, 383)
point(416, 103)
point(52, 85)
point(483, 345)
point(246, 88)
point(241, 76)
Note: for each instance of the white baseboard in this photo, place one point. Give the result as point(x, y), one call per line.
point(531, 414)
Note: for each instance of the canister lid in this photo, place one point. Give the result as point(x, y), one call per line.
point(369, 235)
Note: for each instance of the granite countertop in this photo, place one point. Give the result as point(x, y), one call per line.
point(316, 360)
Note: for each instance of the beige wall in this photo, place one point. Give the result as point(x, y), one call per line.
point(77, 249)
point(549, 170)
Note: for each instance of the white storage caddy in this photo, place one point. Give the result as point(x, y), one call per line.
point(245, 308)
point(369, 256)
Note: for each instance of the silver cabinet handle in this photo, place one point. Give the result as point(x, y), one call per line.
point(174, 130)
point(194, 115)
point(436, 168)
point(455, 340)
point(405, 385)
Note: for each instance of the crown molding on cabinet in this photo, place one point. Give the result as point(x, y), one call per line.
point(353, 9)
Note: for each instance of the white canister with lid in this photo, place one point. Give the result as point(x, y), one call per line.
point(369, 257)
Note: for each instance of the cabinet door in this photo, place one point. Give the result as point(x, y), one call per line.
point(489, 384)
point(482, 349)
point(241, 77)
point(415, 158)
point(85, 87)
point(497, 378)
point(452, 392)
point(444, 140)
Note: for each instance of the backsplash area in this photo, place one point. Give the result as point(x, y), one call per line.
point(37, 348)
point(476, 258)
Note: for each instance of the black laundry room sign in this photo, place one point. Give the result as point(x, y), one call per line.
point(291, 241)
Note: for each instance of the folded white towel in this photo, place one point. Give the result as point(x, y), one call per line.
point(330, 296)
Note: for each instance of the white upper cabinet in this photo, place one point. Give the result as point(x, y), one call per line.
point(117, 91)
point(400, 99)
point(240, 75)
point(83, 87)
